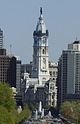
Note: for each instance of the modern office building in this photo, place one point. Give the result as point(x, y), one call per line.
point(7, 65)
point(69, 73)
point(10, 70)
point(18, 75)
point(1, 39)
point(7, 70)
point(10, 67)
point(3, 51)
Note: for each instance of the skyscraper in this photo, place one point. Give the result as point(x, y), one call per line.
point(10, 71)
point(1, 39)
point(18, 75)
point(69, 73)
point(40, 64)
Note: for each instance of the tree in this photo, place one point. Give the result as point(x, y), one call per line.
point(8, 111)
point(5, 116)
point(24, 115)
point(7, 105)
point(71, 110)
point(6, 97)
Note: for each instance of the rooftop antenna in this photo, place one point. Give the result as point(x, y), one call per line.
point(76, 38)
point(10, 49)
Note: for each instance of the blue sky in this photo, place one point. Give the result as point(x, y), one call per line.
point(18, 19)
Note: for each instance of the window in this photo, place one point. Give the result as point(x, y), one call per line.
point(50, 73)
point(43, 51)
point(53, 73)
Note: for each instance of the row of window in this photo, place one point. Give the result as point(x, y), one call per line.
point(53, 73)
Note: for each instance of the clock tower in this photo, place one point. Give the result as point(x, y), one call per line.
point(40, 64)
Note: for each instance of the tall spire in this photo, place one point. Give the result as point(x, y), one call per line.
point(41, 15)
point(41, 25)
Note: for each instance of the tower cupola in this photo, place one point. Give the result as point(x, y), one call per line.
point(41, 27)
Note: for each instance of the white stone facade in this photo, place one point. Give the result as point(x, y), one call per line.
point(40, 67)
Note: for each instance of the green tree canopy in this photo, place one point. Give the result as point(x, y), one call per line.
point(24, 115)
point(5, 116)
point(71, 110)
point(6, 97)
point(8, 111)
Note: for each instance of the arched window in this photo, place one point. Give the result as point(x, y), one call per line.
point(43, 51)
